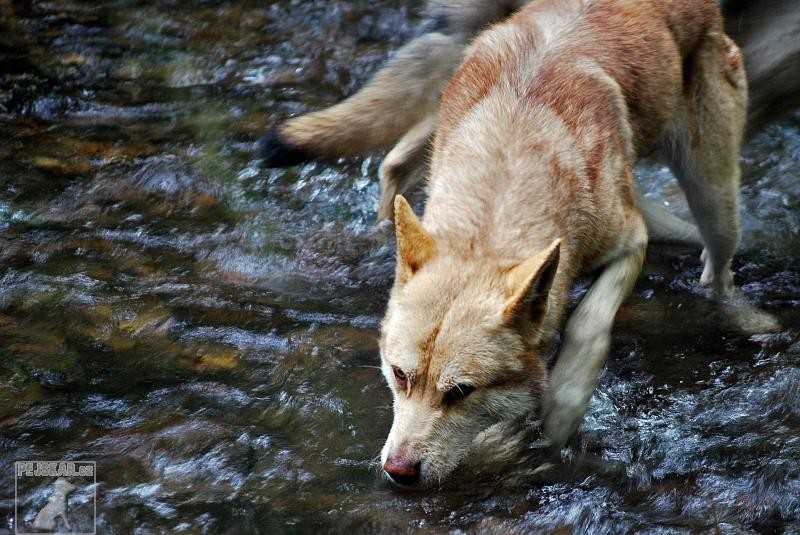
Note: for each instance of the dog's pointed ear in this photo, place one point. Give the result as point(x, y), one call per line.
point(529, 285)
point(414, 245)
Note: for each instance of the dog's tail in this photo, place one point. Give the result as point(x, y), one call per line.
point(403, 93)
point(663, 226)
point(768, 33)
point(400, 95)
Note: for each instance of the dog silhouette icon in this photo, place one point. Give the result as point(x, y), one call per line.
point(55, 507)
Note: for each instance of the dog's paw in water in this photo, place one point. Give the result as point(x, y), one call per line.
point(745, 317)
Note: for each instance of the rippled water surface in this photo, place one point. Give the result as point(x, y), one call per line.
point(205, 330)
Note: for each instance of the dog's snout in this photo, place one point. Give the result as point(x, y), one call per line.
point(402, 469)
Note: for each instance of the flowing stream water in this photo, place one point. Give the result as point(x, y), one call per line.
point(205, 329)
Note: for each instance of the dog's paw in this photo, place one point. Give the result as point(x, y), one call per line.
point(745, 317)
point(719, 280)
point(563, 412)
point(707, 277)
point(276, 151)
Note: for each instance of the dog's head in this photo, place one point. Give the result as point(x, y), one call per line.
point(63, 486)
point(458, 349)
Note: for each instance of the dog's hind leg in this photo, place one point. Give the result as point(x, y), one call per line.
point(587, 340)
point(703, 149)
point(403, 167)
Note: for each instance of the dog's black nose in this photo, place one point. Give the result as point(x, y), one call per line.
point(402, 470)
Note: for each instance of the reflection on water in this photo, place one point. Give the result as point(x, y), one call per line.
point(205, 329)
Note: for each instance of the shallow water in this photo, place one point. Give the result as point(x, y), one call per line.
point(205, 330)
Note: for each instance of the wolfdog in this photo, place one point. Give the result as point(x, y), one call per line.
point(531, 185)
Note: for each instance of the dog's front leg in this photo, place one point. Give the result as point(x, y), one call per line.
point(586, 344)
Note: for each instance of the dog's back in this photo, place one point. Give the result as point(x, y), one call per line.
point(599, 80)
point(623, 37)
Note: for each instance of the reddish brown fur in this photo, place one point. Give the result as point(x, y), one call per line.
point(637, 51)
point(471, 84)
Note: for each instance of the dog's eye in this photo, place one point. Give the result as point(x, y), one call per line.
point(400, 377)
point(458, 393)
